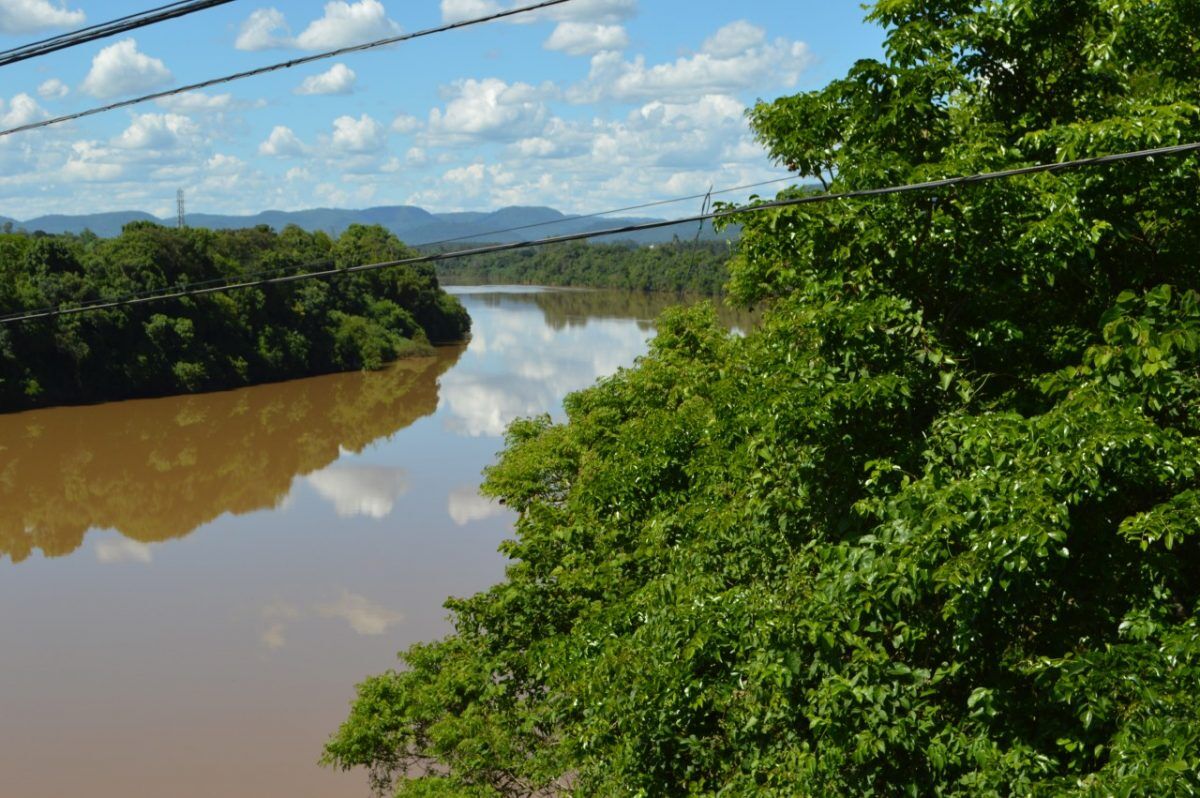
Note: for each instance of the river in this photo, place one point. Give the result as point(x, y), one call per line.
point(191, 586)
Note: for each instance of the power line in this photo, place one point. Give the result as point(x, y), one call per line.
point(949, 182)
point(104, 30)
point(295, 62)
point(644, 205)
point(284, 269)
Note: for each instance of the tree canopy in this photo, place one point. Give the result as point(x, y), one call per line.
point(932, 529)
point(682, 267)
point(350, 321)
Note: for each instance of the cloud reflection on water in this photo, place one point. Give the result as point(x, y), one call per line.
point(122, 550)
point(465, 505)
point(360, 490)
point(530, 351)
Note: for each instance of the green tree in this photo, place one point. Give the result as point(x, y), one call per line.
point(933, 528)
point(220, 340)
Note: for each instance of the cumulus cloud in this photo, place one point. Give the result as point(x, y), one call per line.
point(458, 10)
point(362, 135)
point(282, 143)
point(578, 10)
point(28, 16)
point(90, 163)
point(585, 38)
point(20, 110)
point(156, 132)
point(369, 491)
point(737, 57)
point(489, 109)
point(122, 69)
point(197, 102)
point(364, 616)
point(338, 79)
point(53, 89)
point(265, 28)
point(595, 11)
point(406, 123)
point(346, 23)
point(734, 39)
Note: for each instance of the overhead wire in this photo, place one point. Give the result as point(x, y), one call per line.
point(104, 30)
point(788, 202)
point(577, 217)
point(295, 62)
point(671, 201)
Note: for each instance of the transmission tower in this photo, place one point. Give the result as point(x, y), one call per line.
point(179, 202)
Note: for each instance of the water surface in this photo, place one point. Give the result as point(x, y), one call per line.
point(191, 586)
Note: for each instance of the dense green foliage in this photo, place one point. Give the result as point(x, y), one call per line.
point(351, 321)
point(681, 267)
point(934, 527)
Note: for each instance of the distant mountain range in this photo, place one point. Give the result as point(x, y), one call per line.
point(414, 226)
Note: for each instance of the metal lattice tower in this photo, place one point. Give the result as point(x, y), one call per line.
point(179, 202)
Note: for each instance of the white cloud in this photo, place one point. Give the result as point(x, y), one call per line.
point(595, 11)
point(585, 38)
point(122, 550)
point(406, 123)
point(53, 89)
point(197, 102)
point(20, 110)
point(222, 164)
point(89, 162)
point(489, 109)
point(458, 10)
point(346, 23)
point(156, 132)
point(28, 16)
point(737, 57)
point(466, 505)
point(577, 11)
point(369, 491)
point(265, 29)
point(362, 135)
point(282, 143)
point(338, 79)
point(364, 616)
point(121, 69)
point(734, 39)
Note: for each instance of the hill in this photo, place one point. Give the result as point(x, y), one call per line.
point(413, 225)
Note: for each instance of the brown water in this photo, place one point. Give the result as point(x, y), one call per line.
point(190, 587)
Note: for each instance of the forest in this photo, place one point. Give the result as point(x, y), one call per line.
point(933, 527)
point(678, 267)
point(359, 320)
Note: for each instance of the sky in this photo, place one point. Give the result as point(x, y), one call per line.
point(591, 105)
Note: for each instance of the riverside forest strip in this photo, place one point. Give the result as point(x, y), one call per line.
point(218, 341)
point(678, 267)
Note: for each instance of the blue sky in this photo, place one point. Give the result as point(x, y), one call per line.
point(592, 105)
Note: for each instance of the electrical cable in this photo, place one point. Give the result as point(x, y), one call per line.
point(104, 30)
point(949, 182)
point(308, 59)
point(566, 219)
